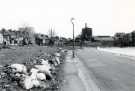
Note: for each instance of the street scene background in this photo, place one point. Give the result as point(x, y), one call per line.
point(67, 45)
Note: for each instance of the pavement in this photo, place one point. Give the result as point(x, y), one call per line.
point(107, 71)
point(76, 77)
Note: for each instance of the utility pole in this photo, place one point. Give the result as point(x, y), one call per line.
point(72, 19)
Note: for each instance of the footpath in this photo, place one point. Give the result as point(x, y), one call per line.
point(76, 77)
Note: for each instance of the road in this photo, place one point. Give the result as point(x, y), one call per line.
point(110, 72)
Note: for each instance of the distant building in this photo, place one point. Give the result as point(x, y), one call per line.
point(133, 38)
point(86, 33)
point(6, 38)
point(41, 39)
point(119, 39)
point(104, 40)
point(28, 35)
point(119, 35)
point(1, 38)
point(127, 39)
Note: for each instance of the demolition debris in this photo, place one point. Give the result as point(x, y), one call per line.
point(38, 72)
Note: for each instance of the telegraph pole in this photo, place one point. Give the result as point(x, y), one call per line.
point(72, 19)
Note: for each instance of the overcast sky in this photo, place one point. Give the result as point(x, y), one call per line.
point(105, 16)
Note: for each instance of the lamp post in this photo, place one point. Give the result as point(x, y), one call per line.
point(72, 19)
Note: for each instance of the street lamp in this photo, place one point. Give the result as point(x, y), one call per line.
point(72, 21)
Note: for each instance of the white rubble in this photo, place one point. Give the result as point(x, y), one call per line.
point(44, 62)
point(19, 68)
point(57, 54)
point(35, 74)
point(44, 68)
point(57, 60)
point(34, 79)
point(28, 84)
point(41, 76)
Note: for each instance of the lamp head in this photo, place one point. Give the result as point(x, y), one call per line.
point(72, 19)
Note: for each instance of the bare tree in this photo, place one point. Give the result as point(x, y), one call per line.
point(28, 34)
point(51, 33)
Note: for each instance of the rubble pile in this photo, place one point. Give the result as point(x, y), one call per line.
point(38, 72)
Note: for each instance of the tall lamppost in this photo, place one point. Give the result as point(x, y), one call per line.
point(72, 21)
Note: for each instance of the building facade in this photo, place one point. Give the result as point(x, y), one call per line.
point(104, 40)
point(1, 38)
point(86, 33)
point(133, 38)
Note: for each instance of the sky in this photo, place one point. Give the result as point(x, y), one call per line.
point(106, 17)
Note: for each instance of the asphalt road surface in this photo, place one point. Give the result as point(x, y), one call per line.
point(110, 72)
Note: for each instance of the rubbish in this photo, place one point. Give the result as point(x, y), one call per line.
point(41, 76)
point(44, 62)
point(34, 73)
point(35, 83)
point(18, 68)
point(45, 69)
point(38, 71)
point(57, 60)
point(57, 54)
point(27, 83)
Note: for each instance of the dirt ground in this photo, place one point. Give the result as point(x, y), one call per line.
point(21, 54)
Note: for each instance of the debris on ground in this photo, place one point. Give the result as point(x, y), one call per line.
point(38, 72)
